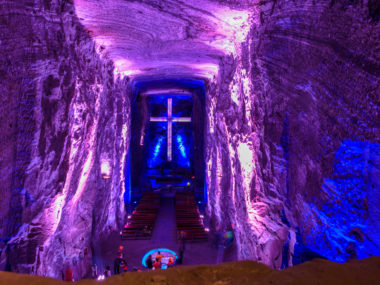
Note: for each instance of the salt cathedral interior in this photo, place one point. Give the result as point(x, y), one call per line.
point(190, 142)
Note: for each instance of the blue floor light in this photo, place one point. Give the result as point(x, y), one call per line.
point(143, 261)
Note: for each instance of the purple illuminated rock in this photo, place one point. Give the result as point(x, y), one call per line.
point(64, 116)
point(306, 80)
point(289, 83)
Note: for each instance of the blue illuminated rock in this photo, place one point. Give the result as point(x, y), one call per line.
point(303, 83)
point(291, 135)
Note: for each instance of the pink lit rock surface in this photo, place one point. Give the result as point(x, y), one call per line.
point(63, 114)
point(287, 82)
point(164, 37)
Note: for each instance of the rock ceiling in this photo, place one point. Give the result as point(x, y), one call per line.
point(164, 37)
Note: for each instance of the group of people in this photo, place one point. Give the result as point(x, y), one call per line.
point(157, 262)
point(120, 264)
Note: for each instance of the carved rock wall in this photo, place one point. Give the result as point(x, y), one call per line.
point(66, 120)
point(292, 103)
point(305, 80)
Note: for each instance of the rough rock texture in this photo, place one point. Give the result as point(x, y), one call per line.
point(154, 37)
point(65, 118)
point(292, 104)
point(243, 272)
point(305, 80)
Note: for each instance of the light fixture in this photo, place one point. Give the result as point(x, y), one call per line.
point(105, 169)
point(151, 252)
point(101, 278)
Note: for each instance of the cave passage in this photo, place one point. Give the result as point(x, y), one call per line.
point(167, 138)
point(167, 194)
point(247, 130)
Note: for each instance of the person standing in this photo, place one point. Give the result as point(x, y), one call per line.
point(170, 262)
point(119, 261)
point(116, 265)
point(120, 252)
point(69, 276)
point(159, 256)
point(157, 264)
point(182, 247)
point(124, 265)
point(179, 260)
point(149, 262)
point(107, 272)
point(94, 271)
point(183, 241)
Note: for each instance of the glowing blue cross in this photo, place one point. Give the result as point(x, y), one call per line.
point(170, 119)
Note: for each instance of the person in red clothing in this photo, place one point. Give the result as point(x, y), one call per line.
point(120, 261)
point(124, 265)
point(157, 264)
point(159, 256)
point(170, 262)
point(120, 252)
point(69, 276)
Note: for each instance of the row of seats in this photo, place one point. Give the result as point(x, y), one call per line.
point(141, 223)
point(189, 223)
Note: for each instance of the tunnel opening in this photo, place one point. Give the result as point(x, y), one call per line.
point(167, 138)
point(165, 189)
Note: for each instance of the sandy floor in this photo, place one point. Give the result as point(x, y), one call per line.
point(361, 272)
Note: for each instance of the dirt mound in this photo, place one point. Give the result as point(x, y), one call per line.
point(366, 271)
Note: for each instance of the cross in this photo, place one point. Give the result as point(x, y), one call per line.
point(170, 119)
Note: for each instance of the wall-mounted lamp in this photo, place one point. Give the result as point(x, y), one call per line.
point(105, 169)
point(142, 138)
